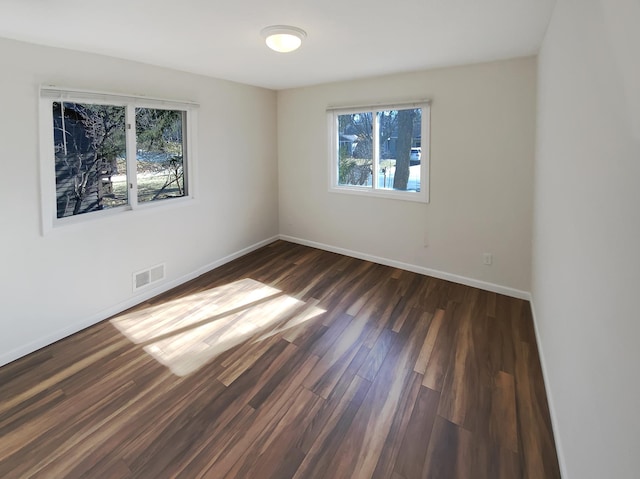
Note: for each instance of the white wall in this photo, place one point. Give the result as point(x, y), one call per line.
point(482, 150)
point(586, 255)
point(52, 285)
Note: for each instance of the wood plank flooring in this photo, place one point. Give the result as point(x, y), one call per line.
point(289, 362)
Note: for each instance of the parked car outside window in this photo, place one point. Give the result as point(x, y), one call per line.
point(416, 153)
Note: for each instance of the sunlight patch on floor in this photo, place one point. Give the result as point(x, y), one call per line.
point(188, 332)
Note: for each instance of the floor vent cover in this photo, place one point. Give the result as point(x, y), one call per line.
point(148, 276)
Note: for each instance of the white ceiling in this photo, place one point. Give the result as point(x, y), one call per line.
point(346, 38)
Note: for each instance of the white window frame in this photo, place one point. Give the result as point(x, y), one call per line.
point(48, 95)
point(373, 190)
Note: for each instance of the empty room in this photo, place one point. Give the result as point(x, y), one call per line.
point(325, 240)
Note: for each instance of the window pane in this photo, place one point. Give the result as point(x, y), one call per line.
point(90, 152)
point(355, 149)
point(400, 149)
point(160, 154)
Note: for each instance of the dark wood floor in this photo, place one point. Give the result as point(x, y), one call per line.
point(289, 362)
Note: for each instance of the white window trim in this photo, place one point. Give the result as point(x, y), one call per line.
point(332, 119)
point(48, 95)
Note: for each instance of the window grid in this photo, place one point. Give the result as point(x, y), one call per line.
point(88, 110)
point(345, 145)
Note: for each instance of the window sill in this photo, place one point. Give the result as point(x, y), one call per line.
point(60, 224)
point(416, 197)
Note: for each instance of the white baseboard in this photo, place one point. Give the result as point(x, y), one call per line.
point(7, 357)
point(552, 410)
point(495, 288)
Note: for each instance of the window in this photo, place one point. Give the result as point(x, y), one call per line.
point(381, 151)
point(103, 152)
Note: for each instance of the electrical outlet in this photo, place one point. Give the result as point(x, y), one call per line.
point(488, 259)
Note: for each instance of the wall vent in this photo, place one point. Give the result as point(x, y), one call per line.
point(148, 276)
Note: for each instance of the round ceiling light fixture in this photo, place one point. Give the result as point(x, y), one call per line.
point(283, 38)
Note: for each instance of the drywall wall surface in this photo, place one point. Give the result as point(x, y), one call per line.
point(52, 283)
point(481, 175)
point(586, 255)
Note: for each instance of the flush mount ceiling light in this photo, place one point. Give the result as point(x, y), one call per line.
point(283, 38)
